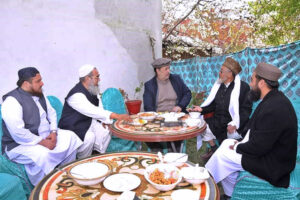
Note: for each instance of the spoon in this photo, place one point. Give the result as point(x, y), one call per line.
point(82, 176)
point(160, 157)
point(178, 158)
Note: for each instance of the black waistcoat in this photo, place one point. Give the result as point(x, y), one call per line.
point(73, 120)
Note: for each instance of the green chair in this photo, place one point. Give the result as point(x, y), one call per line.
point(9, 167)
point(113, 101)
point(251, 187)
point(11, 187)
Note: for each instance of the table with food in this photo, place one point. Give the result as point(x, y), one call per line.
point(160, 127)
point(129, 176)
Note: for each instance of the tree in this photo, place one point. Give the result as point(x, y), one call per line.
point(276, 21)
point(204, 28)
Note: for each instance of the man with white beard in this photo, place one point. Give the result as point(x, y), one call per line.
point(83, 113)
point(228, 100)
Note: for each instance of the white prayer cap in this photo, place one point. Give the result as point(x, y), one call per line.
point(85, 70)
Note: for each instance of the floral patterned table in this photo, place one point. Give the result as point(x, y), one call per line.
point(57, 185)
point(162, 134)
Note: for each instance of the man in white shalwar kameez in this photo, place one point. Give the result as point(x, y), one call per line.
point(83, 113)
point(30, 129)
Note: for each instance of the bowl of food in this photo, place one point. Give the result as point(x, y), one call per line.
point(89, 173)
point(147, 115)
point(163, 177)
point(195, 175)
point(193, 122)
point(172, 116)
point(194, 115)
point(176, 159)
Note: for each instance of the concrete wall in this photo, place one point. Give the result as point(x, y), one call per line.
point(58, 36)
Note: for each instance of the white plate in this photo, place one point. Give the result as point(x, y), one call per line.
point(185, 194)
point(121, 182)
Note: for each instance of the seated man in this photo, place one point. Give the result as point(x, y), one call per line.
point(229, 101)
point(83, 113)
point(30, 134)
point(165, 92)
point(270, 146)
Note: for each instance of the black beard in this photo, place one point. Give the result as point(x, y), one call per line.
point(37, 94)
point(254, 94)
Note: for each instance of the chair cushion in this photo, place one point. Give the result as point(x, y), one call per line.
point(11, 187)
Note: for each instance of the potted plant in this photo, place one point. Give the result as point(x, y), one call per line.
point(133, 106)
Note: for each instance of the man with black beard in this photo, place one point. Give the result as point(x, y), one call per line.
point(30, 134)
point(83, 113)
point(270, 146)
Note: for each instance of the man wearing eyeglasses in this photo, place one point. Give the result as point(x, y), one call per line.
point(228, 100)
point(83, 110)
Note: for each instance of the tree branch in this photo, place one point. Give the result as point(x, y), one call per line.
point(179, 22)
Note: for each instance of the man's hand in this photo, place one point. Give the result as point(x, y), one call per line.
point(231, 129)
point(176, 109)
point(195, 109)
point(232, 146)
point(124, 117)
point(53, 137)
point(104, 125)
point(47, 143)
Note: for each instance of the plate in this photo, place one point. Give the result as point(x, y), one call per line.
point(185, 194)
point(122, 182)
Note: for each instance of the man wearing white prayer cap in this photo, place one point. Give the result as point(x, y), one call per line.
point(228, 100)
point(83, 110)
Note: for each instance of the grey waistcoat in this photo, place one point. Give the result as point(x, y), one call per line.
point(31, 116)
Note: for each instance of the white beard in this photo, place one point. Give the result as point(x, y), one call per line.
point(94, 89)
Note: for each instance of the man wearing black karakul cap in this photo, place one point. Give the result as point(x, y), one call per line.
point(165, 92)
point(270, 146)
point(30, 134)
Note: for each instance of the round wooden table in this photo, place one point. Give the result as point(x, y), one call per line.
point(127, 131)
point(57, 185)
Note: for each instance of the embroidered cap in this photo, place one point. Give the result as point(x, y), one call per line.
point(161, 62)
point(268, 71)
point(85, 70)
point(233, 65)
point(25, 74)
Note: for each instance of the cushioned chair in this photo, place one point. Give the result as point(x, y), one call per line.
point(249, 186)
point(18, 170)
point(11, 187)
point(113, 101)
point(57, 105)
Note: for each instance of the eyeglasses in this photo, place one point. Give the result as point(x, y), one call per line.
point(95, 77)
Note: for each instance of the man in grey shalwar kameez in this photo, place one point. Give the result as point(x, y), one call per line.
point(30, 134)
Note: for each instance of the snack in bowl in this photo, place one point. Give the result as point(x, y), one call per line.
point(195, 175)
point(89, 173)
point(163, 177)
point(176, 159)
point(147, 115)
